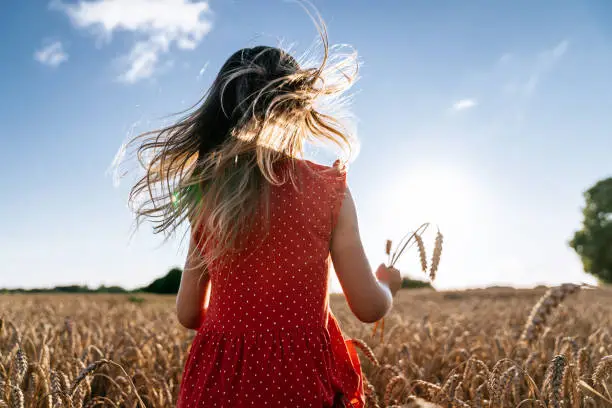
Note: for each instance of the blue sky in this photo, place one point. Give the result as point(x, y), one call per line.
point(487, 118)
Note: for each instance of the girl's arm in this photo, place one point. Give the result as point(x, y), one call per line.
point(194, 291)
point(368, 298)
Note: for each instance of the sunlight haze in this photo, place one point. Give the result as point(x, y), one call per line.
point(487, 119)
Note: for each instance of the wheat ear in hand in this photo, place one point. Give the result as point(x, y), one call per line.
point(405, 243)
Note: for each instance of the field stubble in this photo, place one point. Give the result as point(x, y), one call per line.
point(479, 348)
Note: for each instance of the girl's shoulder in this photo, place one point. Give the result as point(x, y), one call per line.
point(331, 178)
point(338, 168)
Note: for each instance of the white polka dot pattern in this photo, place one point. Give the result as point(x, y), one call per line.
point(268, 338)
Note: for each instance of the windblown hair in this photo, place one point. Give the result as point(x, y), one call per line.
point(215, 166)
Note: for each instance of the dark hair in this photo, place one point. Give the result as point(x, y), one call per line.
point(241, 78)
point(215, 165)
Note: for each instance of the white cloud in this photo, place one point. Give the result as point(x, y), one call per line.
point(506, 58)
point(464, 104)
point(545, 62)
point(203, 69)
point(158, 25)
point(53, 54)
point(560, 49)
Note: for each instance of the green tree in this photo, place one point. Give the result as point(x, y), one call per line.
point(72, 289)
point(593, 243)
point(168, 284)
point(408, 283)
point(110, 289)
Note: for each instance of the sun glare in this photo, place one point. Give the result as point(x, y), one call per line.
point(443, 196)
point(448, 197)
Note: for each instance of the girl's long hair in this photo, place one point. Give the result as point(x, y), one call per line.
point(215, 166)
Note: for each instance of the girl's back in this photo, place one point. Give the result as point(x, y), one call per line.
point(279, 280)
point(267, 336)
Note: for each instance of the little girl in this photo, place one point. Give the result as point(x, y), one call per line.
point(264, 223)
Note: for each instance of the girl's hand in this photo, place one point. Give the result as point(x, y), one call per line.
point(390, 277)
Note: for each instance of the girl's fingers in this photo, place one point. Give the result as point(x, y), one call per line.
point(382, 273)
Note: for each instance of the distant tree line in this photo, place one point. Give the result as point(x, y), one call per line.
point(166, 285)
point(69, 289)
point(408, 283)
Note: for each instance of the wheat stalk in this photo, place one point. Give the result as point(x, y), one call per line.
point(21, 364)
point(603, 370)
point(388, 245)
point(554, 384)
point(543, 309)
point(471, 364)
point(17, 400)
point(370, 394)
point(478, 396)
point(517, 385)
point(102, 401)
point(505, 383)
point(388, 396)
point(532, 403)
point(56, 387)
point(588, 402)
point(422, 254)
point(431, 390)
point(367, 351)
point(459, 391)
point(44, 382)
point(571, 386)
point(448, 389)
point(85, 372)
point(45, 358)
point(584, 363)
point(379, 324)
point(405, 241)
point(586, 387)
point(493, 381)
point(92, 367)
point(435, 258)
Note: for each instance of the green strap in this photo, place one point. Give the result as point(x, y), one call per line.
point(191, 192)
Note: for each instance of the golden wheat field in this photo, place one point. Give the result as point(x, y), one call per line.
point(479, 348)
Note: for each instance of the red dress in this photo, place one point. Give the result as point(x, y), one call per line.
point(268, 337)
